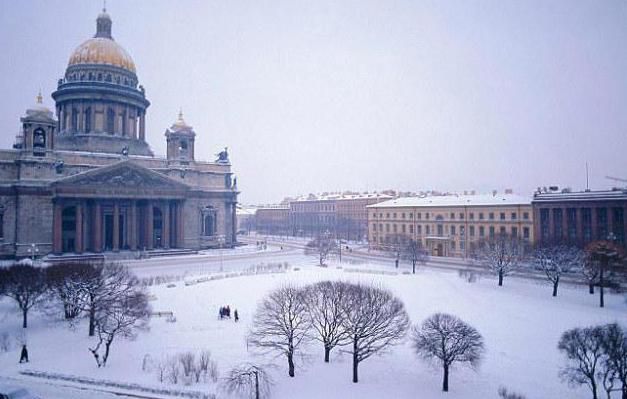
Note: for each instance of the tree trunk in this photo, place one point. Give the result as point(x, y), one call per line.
point(413, 267)
point(92, 320)
point(601, 284)
point(624, 395)
point(106, 354)
point(327, 352)
point(593, 386)
point(355, 362)
point(24, 318)
point(500, 278)
point(290, 363)
point(591, 289)
point(445, 379)
point(557, 281)
point(257, 396)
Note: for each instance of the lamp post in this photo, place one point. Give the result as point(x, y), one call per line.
point(33, 250)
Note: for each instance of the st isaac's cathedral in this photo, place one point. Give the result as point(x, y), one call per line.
point(85, 181)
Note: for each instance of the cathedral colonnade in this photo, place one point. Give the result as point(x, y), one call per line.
point(97, 225)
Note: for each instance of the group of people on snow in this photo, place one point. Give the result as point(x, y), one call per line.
point(225, 311)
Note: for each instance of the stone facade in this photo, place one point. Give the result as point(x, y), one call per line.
point(580, 218)
point(87, 181)
point(449, 225)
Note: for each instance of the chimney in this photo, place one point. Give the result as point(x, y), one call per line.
point(509, 191)
point(494, 193)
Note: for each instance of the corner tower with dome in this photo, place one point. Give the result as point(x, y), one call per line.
point(86, 183)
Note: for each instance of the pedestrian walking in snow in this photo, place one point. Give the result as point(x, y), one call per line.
point(236, 315)
point(24, 355)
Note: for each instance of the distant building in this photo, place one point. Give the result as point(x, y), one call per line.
point(341, 215)
point(580, 217)
point(449, 225)
point(273, 219)
point(245, 219)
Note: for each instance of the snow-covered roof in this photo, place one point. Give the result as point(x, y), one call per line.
point(602, 195)
point(340, 197)
point(455, 200)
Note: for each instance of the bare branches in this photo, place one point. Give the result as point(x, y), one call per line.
point(374, 319)
point(500, 254)
point(26, 285)
point(415, 254)
point(557, 260)
point(122, 309)
point(281, 323)
point(248, 380)
point(322, 246)
point(583, 349)
point(325, 304)
point(449, 340)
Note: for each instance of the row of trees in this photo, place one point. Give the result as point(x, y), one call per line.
point(108, 295)
point(362, 320)
point(596, 357)
point(598, 265)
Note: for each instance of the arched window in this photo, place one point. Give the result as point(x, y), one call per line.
point(110, 121)
point(39, 141)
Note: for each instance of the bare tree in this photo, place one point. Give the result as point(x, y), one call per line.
point(590, 273)
point(103, 285)
point(122, 317)
point(500, 254)
point(605, 255)
point(281, 324)
point(325, 302)
point(374, 319)
point(249, 380)
point(415, 254)
point(557, 260)
point(322, 246)
point(26, 285)
point(67, 282)
point(614, 347)
point(448, 340)
point(583, 349)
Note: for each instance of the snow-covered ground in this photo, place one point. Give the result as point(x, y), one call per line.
point(521, 324)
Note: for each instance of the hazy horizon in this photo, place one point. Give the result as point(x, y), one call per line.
point(358, 95)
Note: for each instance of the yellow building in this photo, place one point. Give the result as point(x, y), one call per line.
point(449, 225)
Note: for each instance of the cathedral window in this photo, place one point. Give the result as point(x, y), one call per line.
point(208, 221)
point(110, 121)
point(88, 119)
point(108, 78)
point(74, 119)
point(39, 141)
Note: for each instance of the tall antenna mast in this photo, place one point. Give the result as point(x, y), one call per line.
point(587, 179)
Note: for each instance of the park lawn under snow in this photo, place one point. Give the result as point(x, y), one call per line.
point(521, 324)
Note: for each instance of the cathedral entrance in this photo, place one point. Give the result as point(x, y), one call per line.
point(157, 228)
point(69, 229)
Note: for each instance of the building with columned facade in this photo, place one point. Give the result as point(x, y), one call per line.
point(84, 179)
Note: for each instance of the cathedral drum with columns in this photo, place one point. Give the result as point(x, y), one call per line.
point(87, 182)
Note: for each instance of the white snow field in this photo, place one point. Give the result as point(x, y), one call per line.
point(521, 324)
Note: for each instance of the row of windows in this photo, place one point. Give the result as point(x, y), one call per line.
point(100, 77)
point(471, 215)
point(441, 230)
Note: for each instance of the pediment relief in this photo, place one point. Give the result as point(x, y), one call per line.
point(123, 175)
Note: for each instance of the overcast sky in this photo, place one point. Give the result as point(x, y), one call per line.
point(362, 95)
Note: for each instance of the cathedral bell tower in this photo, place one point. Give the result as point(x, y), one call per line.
point(38, 127)
point(180, 139)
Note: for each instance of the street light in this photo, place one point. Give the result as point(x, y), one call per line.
point(33, 250)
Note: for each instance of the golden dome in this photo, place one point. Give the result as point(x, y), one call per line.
point(102, 50)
